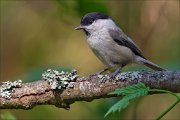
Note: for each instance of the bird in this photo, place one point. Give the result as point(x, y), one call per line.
point(110, 44)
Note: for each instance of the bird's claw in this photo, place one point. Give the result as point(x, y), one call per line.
point(100, 72)
point(113, 74)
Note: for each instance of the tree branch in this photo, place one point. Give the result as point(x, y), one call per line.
point(88, 88)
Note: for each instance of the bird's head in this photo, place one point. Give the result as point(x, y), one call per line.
point(93, 22)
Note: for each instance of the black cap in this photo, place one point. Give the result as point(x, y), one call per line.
point(91, 17)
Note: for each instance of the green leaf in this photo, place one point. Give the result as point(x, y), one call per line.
point(130, 89)
point(118, 106)
point(129, 93)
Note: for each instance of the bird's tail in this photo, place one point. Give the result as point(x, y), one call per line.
point(149, 64)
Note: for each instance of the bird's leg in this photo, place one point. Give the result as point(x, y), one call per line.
point(100, 72)
point(113, 74)
point(104, 70)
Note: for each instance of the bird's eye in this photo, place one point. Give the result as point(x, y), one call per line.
point(90, 21)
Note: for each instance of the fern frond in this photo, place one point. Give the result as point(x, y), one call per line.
point(129, 89)
point(118, 106)
point(129, 93)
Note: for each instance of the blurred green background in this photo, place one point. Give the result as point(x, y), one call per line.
point(39, 34)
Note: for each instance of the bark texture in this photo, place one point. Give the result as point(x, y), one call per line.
point(86, 89)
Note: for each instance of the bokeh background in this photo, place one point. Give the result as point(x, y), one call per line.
point(39, 34)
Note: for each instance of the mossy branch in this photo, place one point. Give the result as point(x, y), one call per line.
point(28, 95)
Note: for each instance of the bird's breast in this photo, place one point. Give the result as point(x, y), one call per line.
point(99, 47)
point(108, 51)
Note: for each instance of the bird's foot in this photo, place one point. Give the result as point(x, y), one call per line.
point(113, 74)
point(100, 72)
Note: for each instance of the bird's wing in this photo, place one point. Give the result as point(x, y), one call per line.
point(121, 39)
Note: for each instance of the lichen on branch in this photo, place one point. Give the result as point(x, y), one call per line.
point(8, 87)
point(60, 80)
point(62, 88)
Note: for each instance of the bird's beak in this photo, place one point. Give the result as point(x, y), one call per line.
point(79, 27)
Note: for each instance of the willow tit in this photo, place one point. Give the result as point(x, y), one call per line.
point(110, 44)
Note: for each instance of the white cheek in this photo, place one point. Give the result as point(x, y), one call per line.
point(91, 28)
point(96, 25)
point(100, 28)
